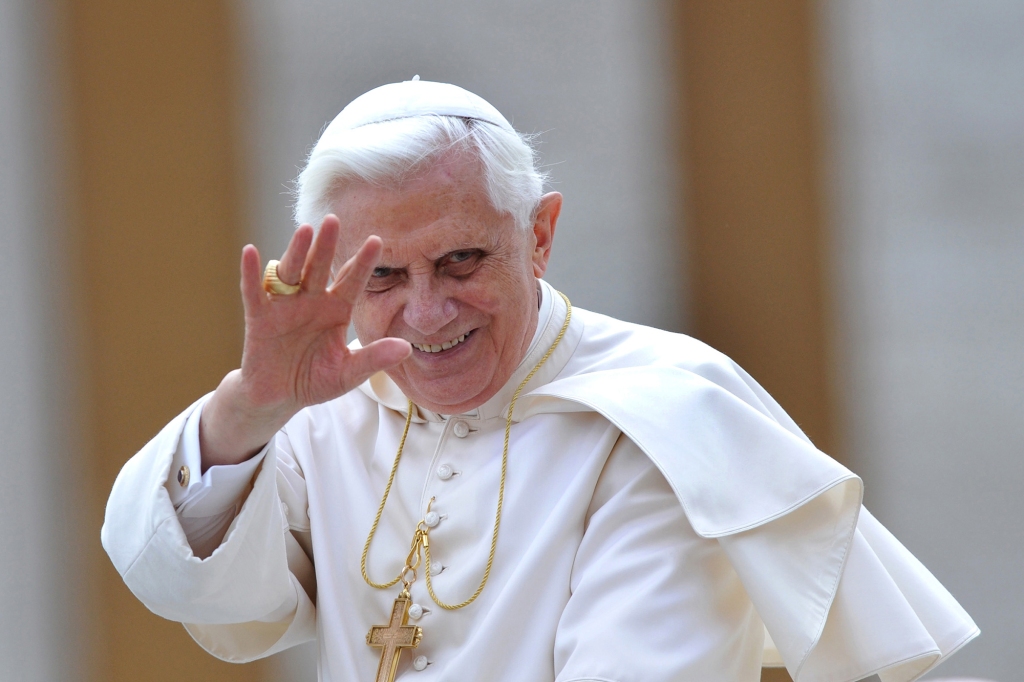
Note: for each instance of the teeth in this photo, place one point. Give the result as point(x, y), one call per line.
point(434, 348)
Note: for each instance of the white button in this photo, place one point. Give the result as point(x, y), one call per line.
point(431, 519)
point(420, 663)
point(415, 611)
point(444, 472)
point(436, 568)
point(284, 509)
point(461, 429)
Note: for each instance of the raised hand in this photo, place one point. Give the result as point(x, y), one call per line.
point(295, 352)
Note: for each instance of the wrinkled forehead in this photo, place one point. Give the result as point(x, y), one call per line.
point(451, 181)
point(452, 169)
point(443, 208)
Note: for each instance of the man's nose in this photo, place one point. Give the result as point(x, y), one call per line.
point(429, 309)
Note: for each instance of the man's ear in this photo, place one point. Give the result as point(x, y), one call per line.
point(544, 231)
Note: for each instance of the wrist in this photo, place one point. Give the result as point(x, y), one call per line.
point(234, 427)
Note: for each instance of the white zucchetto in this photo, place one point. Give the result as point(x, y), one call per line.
point(413, 98)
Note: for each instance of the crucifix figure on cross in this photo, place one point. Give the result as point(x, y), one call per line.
point(394, 637)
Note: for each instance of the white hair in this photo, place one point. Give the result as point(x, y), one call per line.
point(386, 153)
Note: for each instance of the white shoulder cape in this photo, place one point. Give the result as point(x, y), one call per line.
point(840, 597)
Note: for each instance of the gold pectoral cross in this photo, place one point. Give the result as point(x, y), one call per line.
point(394, 637)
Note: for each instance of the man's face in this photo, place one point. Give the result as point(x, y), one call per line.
point(456, 279)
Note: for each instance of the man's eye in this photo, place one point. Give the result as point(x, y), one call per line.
point(381, 272)
point(461, 263)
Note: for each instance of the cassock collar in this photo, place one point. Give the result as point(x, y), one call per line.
point(550, 318)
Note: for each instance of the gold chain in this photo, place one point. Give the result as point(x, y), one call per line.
point(421, 538)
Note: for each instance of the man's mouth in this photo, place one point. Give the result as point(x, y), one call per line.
point(436, 348)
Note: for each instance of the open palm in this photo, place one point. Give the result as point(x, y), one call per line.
point(295, 352)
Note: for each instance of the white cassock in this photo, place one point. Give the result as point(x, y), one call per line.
point(661, 514)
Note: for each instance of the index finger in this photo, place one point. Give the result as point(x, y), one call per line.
point(356, 271)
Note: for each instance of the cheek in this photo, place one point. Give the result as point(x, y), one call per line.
point(502, 284)
point(491, 303)
point(371, 319)
point(517, 295)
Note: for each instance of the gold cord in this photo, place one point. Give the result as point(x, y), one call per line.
point(380, 509)
point(421, 536)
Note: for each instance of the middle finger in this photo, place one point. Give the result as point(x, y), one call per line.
point(317, 271)
point(289, 269)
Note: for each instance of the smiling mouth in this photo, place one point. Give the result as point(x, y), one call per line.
point(435, 348)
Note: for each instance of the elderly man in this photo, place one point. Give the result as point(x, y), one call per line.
point(505, 486)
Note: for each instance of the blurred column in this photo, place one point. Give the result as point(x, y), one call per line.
point(152, 118)
point(754, 218)
point(40, 485)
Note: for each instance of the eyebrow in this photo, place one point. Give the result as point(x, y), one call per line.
point(483, 246)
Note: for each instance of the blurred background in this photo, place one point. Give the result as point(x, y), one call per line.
point(830, 191)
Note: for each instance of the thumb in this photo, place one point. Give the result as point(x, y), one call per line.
point(375, 357)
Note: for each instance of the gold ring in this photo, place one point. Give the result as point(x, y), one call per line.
point(272, 284)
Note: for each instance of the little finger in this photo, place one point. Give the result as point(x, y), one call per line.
point(252, 281)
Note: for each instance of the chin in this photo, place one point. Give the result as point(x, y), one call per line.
point(452, 381)
point(445, 399)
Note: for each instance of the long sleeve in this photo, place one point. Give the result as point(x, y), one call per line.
point(207, 504)
point(254, 594)
point(652, 600)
